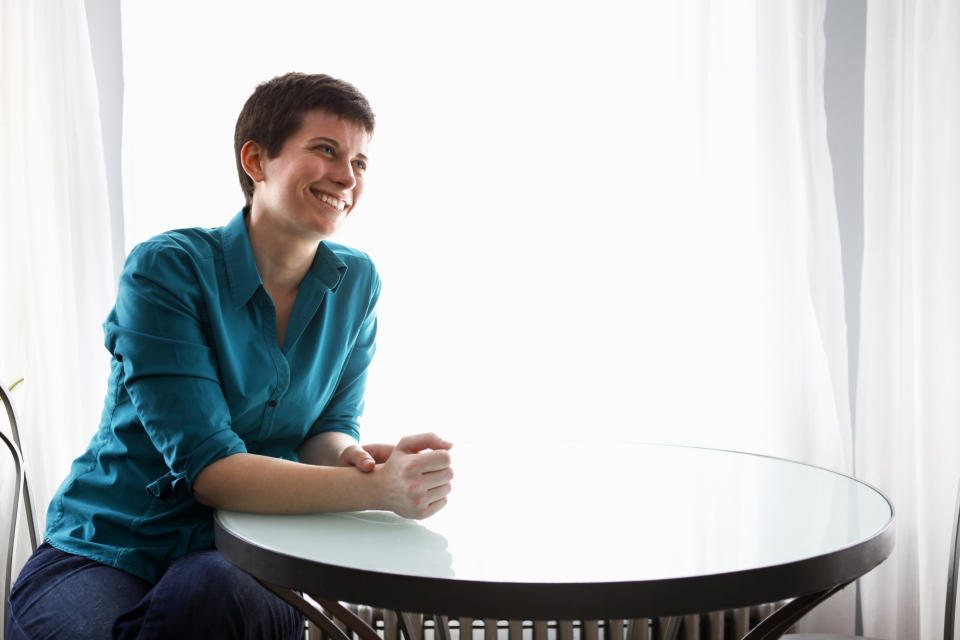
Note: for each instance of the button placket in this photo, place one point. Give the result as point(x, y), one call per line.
point(283, 383)
point(281, 366)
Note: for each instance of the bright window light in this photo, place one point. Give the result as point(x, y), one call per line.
point(561, 209)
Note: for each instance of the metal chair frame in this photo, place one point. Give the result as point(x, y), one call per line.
point(954, 570)
point(15, 433)
point(20, 488)
point(12, 530)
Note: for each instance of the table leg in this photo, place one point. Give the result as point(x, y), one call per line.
point(316, 615)
point(441, 629)
point(356, 624)
point(777, 623)
point(313, 613)
point(405, 624)
point(669, 627)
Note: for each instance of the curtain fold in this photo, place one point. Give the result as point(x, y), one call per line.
point(56, 271)
point(804, 280)
point(806, 343)
point(908, 438)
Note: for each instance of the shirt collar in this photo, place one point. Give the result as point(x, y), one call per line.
point(327, 269)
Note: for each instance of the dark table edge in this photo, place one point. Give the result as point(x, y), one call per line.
point(560, 601)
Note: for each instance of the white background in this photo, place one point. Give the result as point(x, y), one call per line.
point(546, 270)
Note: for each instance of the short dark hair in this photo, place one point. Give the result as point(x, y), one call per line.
point(275, 111)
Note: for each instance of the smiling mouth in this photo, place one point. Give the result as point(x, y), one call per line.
point(336, 203)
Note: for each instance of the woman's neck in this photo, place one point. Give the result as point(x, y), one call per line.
point(282, 259)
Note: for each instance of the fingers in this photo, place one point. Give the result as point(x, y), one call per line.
point(417, 475)
point(432, 465)
point(433, 501)
point(433, 461)
point(439, 492)
point(419, 442)
point(379, 452)
point(357, 456)
point(432, 508)
point(439, 478)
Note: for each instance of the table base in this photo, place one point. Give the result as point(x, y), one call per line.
point(351, 620)
point(770, 628)
point(777, 623)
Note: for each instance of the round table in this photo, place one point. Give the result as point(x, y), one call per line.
point(573, 531)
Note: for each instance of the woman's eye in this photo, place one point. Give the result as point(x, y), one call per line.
point(360, 164)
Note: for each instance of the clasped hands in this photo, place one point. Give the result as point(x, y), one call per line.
point(414, 475)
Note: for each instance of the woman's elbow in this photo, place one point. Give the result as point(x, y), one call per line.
point(211, 485)
point(203, 492)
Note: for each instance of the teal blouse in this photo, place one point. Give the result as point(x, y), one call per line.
point(197, 375)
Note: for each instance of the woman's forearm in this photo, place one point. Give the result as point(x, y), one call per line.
point(261, 484)
point(325, 448)
point(412, 481)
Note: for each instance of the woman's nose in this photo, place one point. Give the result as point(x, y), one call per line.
point(344, 175)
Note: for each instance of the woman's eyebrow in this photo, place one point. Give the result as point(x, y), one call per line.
point(331, 141)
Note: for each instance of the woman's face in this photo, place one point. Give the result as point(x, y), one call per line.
point(316, 180)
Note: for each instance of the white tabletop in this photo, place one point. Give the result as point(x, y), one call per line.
point(585, 516)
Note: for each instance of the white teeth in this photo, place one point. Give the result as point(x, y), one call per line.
point(334, 202)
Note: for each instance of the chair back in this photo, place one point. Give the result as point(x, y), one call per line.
point(954, 569)
point(15, 435)
point(11, 513)
point(10, 501)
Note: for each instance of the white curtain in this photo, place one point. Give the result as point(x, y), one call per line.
point(806, 345)
point(611, 221)
point(605, 222)
point(807, 348)
point(908, 405)
point(56, 271)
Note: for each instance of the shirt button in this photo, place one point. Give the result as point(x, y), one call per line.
point(272, 403)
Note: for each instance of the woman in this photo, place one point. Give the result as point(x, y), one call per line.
point(239, 360)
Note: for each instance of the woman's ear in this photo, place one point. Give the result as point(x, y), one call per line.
point(252, 157)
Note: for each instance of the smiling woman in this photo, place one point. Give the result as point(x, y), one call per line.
point(312, 185)
point(300, 193)
point(239, 361)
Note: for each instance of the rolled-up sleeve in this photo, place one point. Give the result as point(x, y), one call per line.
point(346, 404)
point(170, 370)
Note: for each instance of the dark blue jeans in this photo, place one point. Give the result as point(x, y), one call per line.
point(60, 595)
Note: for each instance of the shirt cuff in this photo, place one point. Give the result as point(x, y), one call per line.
point(220, 444)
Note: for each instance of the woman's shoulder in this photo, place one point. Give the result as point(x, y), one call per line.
point(198, 242)
point(357, 261)
point(176, 258)
point(349, 255)
point(361, 276)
